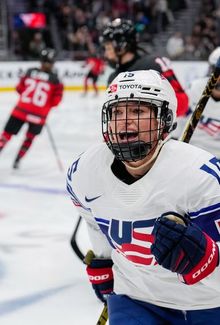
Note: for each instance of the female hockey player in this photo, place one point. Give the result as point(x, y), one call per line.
point(123, 53)
point(152, 206)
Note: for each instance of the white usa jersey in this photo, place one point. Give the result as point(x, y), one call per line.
point(184, 179)
point(207, 132)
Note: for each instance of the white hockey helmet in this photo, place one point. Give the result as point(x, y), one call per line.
point(213, 57)
point(147, 86)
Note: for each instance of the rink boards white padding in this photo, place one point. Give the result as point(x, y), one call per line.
point(72, 73)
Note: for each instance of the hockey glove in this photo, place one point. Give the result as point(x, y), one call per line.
point(184, 248)
point(100, 276)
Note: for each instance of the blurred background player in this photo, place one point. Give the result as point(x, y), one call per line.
point(207, 133)
point(123, 53)
point(39, 90)
point(96, 68)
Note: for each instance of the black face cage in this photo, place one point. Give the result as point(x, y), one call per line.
point(120, 145)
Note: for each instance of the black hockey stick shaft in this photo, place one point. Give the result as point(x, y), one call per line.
point(195, 117)
point(53, 145)
point(73, 241)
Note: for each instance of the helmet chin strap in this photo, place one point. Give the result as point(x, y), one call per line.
point(135, 169)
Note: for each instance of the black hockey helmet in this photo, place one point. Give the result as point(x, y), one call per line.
point(122, 34)
point(47, 55)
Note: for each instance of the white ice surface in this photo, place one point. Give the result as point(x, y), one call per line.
point(42, 282)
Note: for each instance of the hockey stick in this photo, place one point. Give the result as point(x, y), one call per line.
point(60, 165)
point(195, 117)
point(73, 242)
point(103, 317)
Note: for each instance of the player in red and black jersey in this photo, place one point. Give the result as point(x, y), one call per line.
point(40, 90)
point(123, 53)
point(97, 66)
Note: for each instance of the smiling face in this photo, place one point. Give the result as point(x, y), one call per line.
point(133, 129)
point(132, 121)
point(138, 115)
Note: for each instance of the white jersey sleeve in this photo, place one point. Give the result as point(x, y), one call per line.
point(78, 185)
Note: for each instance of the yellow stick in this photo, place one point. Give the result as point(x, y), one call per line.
point(103, 317)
